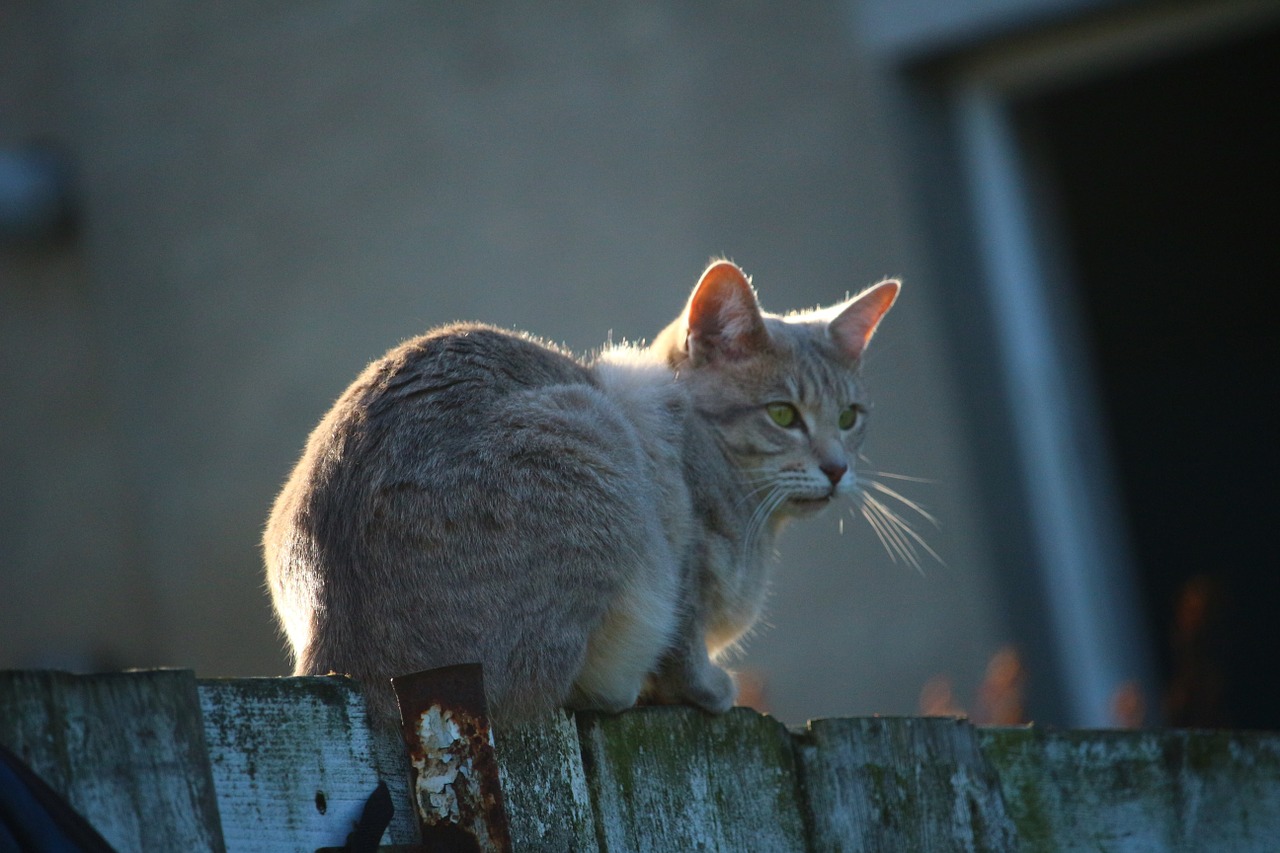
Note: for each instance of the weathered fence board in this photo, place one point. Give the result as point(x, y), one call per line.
point(917, 783)
point(665, 779)
point(156, 761)
point(294, 760)
point(127, 750)
point(540, 765)
point(1151, 790)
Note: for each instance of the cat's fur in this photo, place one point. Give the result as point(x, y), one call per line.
point(592, 532)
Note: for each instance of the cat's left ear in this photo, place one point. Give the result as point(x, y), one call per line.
point(857, 320)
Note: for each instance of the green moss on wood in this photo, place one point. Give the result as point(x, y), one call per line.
point(1151, 789)
point(678, 779)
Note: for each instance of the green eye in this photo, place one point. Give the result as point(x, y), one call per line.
point(849, 417)
point(783, 414)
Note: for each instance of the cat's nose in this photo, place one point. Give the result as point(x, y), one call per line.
point(834, 471)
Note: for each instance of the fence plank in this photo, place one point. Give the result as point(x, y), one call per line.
point(127, 750)
point(1153, 790)
point(877, 783)
point(548, 805)
point(153, 760)
point(676, 779)
point(294, 761)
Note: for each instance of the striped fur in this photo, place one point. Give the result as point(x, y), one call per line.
point(594, 532)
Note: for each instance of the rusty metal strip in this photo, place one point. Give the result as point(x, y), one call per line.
point(454, 778)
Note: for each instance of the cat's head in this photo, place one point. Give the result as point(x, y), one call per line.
point(782, 392)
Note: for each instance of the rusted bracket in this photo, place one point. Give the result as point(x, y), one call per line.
point(454, 777)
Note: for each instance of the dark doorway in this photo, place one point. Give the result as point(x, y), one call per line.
point(1167, 179)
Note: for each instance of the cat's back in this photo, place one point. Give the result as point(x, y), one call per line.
point(462, 360)
point(416, 416)
point(446, 385)
point(488, 480)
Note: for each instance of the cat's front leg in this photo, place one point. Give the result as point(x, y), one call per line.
point(686, 676)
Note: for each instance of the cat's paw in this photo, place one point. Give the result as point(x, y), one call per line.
point(609, 702)
point(714, 691)
point(709, 688)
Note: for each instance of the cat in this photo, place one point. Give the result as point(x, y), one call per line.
point(593, 532)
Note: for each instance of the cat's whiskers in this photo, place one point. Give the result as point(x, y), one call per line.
point(759, 484)
point(890, 533)
point(905, 501)
point(907, 477)
point(628, 473)
point(774, 497)
point(877, 527)
point(762, 511)
point(899, 538)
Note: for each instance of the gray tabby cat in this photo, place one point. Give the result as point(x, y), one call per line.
point(593, 532)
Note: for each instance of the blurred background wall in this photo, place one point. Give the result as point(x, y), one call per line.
point(264, 197)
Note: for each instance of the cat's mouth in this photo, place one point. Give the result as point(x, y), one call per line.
point(811, 504)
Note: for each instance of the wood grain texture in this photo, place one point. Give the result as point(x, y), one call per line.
point(294, 760)
point(127, 750)
point(158, 761)
point(666, 779)
point(908, 783)
point(548, 804)
point(1174, 791)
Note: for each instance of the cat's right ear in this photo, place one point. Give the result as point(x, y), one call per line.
point(723, 319)
point(858, 318)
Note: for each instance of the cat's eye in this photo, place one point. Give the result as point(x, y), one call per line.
point(849, 417)
point(783, 414)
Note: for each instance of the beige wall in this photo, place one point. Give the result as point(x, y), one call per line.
point(274, 194)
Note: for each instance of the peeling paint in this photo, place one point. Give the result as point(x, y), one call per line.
point(437, 767)
point(456, 784)
point(292, 767)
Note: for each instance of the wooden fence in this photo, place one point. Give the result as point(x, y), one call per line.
point(158, 760)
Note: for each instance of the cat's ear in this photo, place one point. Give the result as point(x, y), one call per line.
point(857, 319)
point(723, 318)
